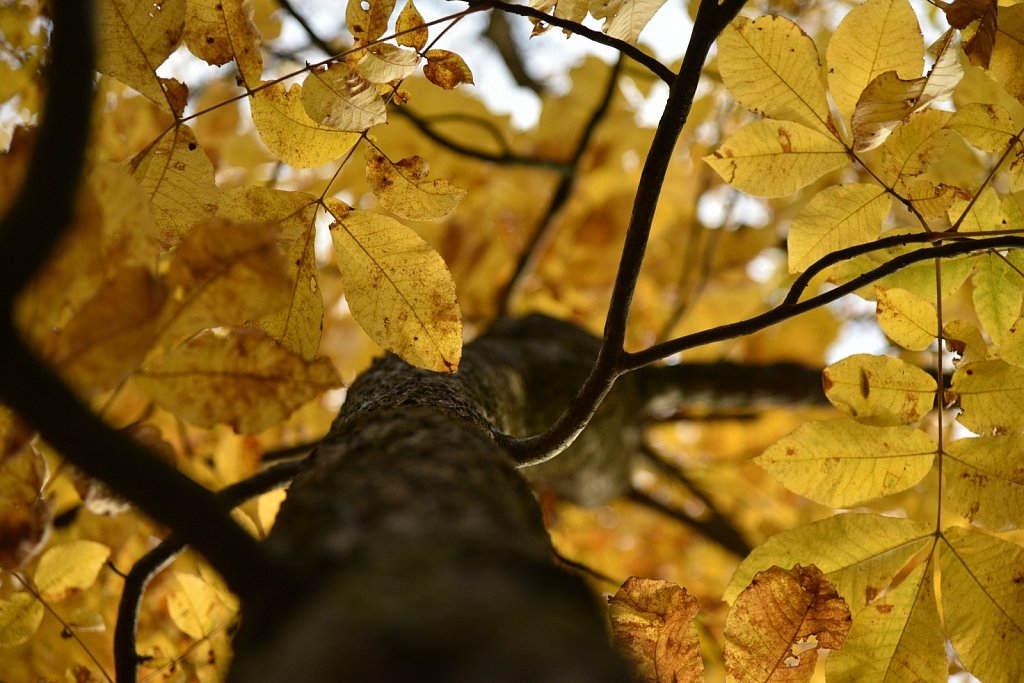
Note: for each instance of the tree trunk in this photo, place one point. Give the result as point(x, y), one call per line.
point(423, 549)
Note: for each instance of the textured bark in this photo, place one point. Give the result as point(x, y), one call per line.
point(423, 549)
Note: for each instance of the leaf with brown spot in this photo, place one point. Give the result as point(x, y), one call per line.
point(446, 69)
point(369, 24)
point(879, 390)
point(782, 610)
point(410, 29)
point(982, 36)
point(339, 97)
point(218, 31)
point(984, 480)
point(68, 568)
point(653, 627)
point(403, 189)
point(244, 379)
point(25, 515)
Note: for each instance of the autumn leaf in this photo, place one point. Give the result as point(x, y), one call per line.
point(290, 134)
point(779, 612)
point(194, 607)
point(178, 176)
point(907, 319)
point(410, 29)
point(1008, 52)
point(340, 98)
point(879, 390)
point(775, 158)
point(653, 627)
point(368, 19)
point(243, 379)
point(68, 568)
point(138, 36)
point(771, 67)
point(875, 37)
point(218, 31)
point(838, 217)
point(842, 463)
point(988, 127)
point(962, 14)
point(385, 63)
point(984, 480)
point(223, 273)
point(399, 289)
point(859, 553)
point(915, 145)
point(991, 396)
point(889, 99)
point(446, 69)
point(27, 514)
point(895, 638)
point(403, 189)
point(983, 602)
point(998, 292)
point(624, 19)
point(20, 617)
point(930, 200)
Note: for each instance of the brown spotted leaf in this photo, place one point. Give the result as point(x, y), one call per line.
point(403, 189)
point(446, 69)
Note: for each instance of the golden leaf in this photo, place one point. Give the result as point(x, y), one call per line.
point(68, 568)
point(842, 463)
point(896, 638)
point(410, 29)
point(624, 19)
point(1008, 52)
point(964, 339)
point(983, 602)
point(138, 35)
point(194, 607)
point(984, 480)
point(835, 218)
point(889, 99)
point(962, 14)
point(915, 145)
point(875, 37)
point(997, 294)
point(991, 396)
point(178, 176)
point(653, 627)
point(340, 98)
point(986, 126)
point(368, 19)
point(244, 379)
point(20, 617)
point(289, 133)
point(446, 69)
point(879, 390)
point(398, 288)
point(403, 189)
point(771, 66)
point(385, 63)
point(775, 158)
point(906, 318)
point(223, 273)
point(780, 611)
point(930, 200)
point(111, 334)
point(26, 513)
point(218, 31)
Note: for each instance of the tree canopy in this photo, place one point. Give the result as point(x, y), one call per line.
point(258, 217)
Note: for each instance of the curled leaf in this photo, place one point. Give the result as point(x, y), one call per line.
point(341, 98)
point(385, 63)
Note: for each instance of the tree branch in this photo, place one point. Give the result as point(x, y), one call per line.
point(28, 234)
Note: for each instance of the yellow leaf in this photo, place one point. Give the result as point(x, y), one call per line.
point(410, 29)
point(368, 19)
point(775, 158)
point(984, 479)
point(896, 638)
point(289, 133)
point(178, 176)
point(859, 553)
point(889, 99)
point(625, 19)
point(385, 63)
point(653, 627)
point(997, 294)
point(983, 603)
point(20, 617)
point(340, 98)
point(879, 390)
point(26, 512)
point(193, 606)
point(446, 69)
point(838, 217)
point(991, 396)
point(930, 200)
point(245, 380)
point(875, 37)
point(218, 31)
point(780, 611)
point(67, 568)
point(111, 334)
point(403, 189)
point(771, 66)
point(399, 289)
point(915, 145)
point(297, 326)
point(988, 127)
point(906, 318)
point(267, 507)
point(224, 273)
point(138, 35)
point(964, 339)
point(1008, 53)
point(842, 463)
